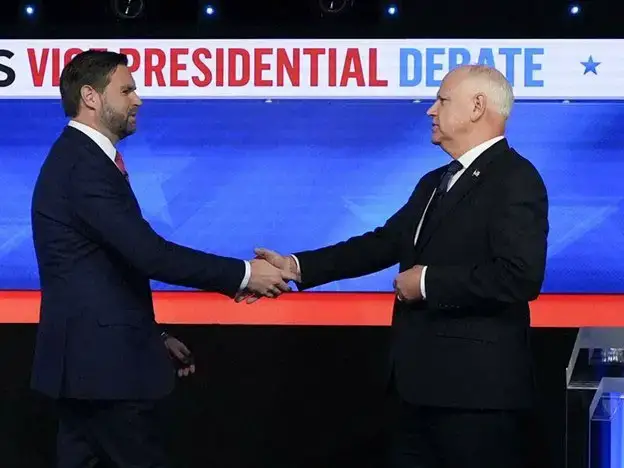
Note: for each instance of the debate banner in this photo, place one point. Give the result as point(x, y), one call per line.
point(355, 69)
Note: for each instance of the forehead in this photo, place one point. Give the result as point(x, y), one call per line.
point(452, 82)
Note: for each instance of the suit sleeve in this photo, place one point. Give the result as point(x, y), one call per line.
point(358, 256)
point(114, 220)
point(518, 239)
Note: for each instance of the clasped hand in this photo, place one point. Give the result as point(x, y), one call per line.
point(407, 285)
point(270, 273)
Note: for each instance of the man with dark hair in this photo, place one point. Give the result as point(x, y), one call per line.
point(92, 68)
point(99, 351)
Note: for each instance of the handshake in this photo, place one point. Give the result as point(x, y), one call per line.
point(270, 273)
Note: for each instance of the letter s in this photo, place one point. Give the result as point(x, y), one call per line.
point(6, 70)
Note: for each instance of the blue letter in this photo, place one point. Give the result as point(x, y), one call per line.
point(457, 53)
point(404, 78)
point(432, 66)
point(486, 57)
point(510, 69)
point(530, 66)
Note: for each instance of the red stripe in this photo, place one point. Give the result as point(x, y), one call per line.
point(310, 308)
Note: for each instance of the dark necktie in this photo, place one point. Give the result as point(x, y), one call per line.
point(122, 167)
point(453, 168)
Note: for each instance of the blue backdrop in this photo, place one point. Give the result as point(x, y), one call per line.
point(226, 176)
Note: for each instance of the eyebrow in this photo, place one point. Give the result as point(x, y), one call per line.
point(128, 88)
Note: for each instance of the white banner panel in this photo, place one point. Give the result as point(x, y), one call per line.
point(404, 69)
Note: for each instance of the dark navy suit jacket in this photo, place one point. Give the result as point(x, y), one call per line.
point(485, 245)
point(97, 336)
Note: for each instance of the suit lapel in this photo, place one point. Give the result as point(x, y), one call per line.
point(468, 181)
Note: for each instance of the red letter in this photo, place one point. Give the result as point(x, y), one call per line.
point(156, 68)
point(202, 67)
point(220, 66)
point(352, 60)
point(331, 68)
point(176, 67)
point(37, 70)
point(259, 67)
point(56, 66)
point(232, 79)
point(373, 80)
point(314, 63)
point(292, 68)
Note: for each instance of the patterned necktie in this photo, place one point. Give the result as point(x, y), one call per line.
point(122, 167)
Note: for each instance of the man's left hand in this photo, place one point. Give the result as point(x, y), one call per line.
point(181, 353)
point(407, 284)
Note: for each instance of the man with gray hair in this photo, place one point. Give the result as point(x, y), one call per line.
point(471, 245)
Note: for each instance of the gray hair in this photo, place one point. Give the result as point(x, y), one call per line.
point(497, 89)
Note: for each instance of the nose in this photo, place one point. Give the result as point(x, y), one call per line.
point(432, 110)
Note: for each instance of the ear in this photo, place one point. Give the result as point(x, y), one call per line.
point(479, 103)
point(90, 97)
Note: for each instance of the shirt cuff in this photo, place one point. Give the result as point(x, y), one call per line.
point(245, 281)
point(298, 266)
point(422, 283)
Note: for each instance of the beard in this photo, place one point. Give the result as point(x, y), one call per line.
point(117, 123)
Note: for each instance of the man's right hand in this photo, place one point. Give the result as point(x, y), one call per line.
point(267, 279)
point(280, 261)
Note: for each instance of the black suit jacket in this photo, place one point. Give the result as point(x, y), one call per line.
point(467, 344)
point(97, 337)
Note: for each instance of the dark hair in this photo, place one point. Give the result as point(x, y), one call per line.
point(93, 68)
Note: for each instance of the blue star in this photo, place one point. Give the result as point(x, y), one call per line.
point(590, 66)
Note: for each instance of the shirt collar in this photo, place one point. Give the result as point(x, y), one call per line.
point(103, 142)
point(471, 155)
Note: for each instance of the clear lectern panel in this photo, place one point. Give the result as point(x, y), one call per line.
point(596, 368)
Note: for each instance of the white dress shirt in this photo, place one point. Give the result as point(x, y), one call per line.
point(109, 149)
point(466, 160)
